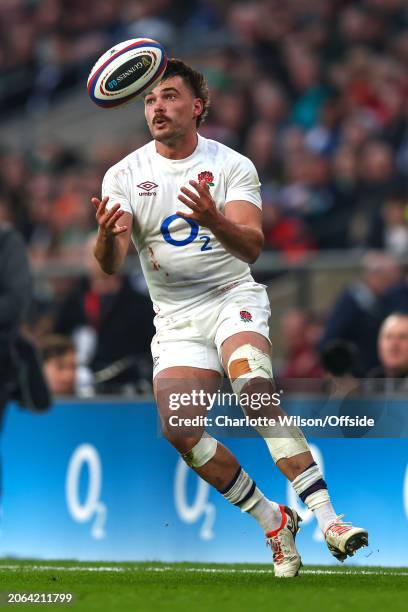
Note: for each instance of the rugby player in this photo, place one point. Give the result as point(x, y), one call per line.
point(192, 207)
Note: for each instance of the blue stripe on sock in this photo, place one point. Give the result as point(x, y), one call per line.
point(308, 467)
point(316, 486)
point(248, 495)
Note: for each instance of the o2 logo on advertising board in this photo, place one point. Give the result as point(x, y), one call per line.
point(200, 508)
point(86, 456)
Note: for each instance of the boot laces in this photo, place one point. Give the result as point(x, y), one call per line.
point(279, 548)
point(339, 526)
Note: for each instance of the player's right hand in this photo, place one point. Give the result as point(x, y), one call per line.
point(107, 219)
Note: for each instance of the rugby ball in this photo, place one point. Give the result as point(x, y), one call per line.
point(128, 70)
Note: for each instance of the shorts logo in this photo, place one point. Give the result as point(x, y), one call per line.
point(206, 176)
point(245, 316)
point(147, 187)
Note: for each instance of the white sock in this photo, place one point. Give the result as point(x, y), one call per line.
point(312, 490)
point(325, 514)
point(268, 514)
point(243, 492)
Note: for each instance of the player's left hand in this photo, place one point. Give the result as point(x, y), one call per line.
point(201, 203)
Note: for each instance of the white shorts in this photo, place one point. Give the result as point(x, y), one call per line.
point(194, 336)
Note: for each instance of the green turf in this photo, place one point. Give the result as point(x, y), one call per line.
point(189, 588)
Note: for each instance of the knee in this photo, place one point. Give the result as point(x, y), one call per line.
point(182, 443)
point(195, 450)
point(250, 371)
point(250, 368)
point(258, 384)
point(202, 452)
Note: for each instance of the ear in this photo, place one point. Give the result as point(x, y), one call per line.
point(198, 107)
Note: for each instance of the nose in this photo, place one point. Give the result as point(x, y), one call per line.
point(158, 106)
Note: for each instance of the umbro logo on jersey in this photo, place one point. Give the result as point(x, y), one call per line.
point(147, 187)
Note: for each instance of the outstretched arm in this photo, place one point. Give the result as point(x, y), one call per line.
point(113, 239)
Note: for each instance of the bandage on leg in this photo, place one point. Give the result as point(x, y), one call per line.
point(246, 363)
point(202, 452)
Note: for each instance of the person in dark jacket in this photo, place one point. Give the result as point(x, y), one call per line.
point(15, 295)
point(396, 298)
point(358, 312)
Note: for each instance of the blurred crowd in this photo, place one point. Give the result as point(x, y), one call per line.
point(364, 334)
point(315, 92)
point(96, 338)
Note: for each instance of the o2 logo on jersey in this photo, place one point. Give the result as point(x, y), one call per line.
point(194, 229)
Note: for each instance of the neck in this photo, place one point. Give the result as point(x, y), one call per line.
point(178, 149)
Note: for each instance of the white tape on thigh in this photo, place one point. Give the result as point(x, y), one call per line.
point(202, 452)
point(248, 362)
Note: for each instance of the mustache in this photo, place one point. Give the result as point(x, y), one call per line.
point(160, 118)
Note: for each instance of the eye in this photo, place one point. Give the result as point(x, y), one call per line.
point(170, 96)
point(149, 101)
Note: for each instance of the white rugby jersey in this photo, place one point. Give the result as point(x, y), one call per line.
point(181, 260)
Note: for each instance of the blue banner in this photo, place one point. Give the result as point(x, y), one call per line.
point(95, 481)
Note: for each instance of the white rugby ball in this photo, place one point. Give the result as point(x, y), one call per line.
point(128, 70)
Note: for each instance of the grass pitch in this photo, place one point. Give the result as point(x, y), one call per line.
point(148, 587)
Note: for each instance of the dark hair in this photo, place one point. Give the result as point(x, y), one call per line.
point(56, 346)
point(194, 80)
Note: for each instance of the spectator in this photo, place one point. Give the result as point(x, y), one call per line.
point(345, 188)
point(357, 313)
point(389, 229)
point(391, 376)
point(393, 349)
point(309, 195)
point(20, 372)
point(396, 298)
point(284, 233)
point(379, 178)
point(59, 359)
point(15, 296)
point(111, 324)
point(261, 149)
point(302, 359)
point(388, 383)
